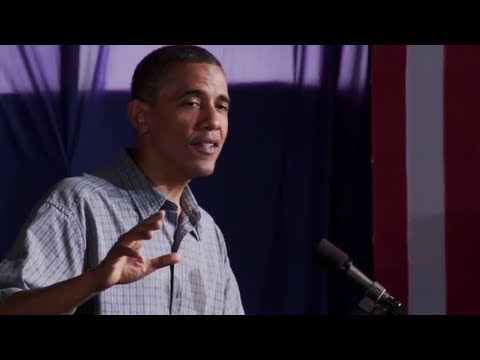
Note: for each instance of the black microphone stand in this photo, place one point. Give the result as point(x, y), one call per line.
point(376, 300)
point(374, 304)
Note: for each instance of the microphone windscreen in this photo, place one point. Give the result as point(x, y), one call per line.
point(330, 255)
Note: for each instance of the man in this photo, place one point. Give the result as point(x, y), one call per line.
point(131, 239)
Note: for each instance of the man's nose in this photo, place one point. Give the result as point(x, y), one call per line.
point(210, 119)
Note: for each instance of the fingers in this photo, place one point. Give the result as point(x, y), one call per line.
point(163, 261)
point(154, 218)
point(127, 251)
point(143, 230)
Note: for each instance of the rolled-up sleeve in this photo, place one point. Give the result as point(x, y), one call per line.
point(48, 249)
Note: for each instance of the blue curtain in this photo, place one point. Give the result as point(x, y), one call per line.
point(295, 168)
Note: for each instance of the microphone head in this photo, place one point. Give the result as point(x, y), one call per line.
point(328, 254)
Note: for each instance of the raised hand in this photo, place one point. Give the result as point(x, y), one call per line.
point(124, 262)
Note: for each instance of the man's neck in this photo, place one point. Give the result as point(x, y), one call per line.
point(172, 193)
point(168, 186)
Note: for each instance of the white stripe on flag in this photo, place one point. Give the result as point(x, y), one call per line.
point(425, 179)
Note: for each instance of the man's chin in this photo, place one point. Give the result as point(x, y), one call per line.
point(203, 171)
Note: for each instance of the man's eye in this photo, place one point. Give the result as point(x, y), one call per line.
point(192, 103)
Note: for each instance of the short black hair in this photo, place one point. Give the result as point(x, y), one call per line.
point(149, 71)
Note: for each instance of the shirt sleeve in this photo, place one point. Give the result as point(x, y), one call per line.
point(50, 248)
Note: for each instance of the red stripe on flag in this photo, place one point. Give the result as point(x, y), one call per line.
point(462, 177)
point(389, 169)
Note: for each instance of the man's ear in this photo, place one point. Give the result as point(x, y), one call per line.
point(137, 111)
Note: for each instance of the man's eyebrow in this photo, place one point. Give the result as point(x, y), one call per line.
point(225, 98)
point(199, 93)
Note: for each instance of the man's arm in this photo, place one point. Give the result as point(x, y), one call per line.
point(122, 265)
point(61, 298)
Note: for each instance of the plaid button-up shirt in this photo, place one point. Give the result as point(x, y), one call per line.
point(75, 225)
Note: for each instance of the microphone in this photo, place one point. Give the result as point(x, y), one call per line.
point(333, 257)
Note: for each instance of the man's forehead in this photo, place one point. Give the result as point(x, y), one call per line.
point(195, 77)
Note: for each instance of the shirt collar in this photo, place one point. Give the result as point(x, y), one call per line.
point(145, 195)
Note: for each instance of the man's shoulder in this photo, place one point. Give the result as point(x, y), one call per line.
point(208, 223)
point(206, 217)
point(76, 188)
point(207, 220)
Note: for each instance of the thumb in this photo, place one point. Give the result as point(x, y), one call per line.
point(164, 260)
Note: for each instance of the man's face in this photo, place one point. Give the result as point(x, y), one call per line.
point(188, 123)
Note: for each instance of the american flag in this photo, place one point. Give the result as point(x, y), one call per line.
point(426, 175)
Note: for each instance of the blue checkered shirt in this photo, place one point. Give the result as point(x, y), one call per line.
point(79, 220)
